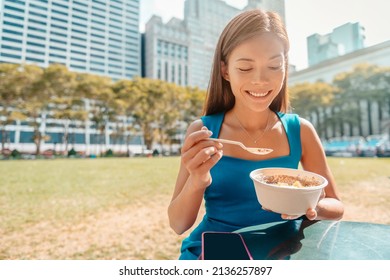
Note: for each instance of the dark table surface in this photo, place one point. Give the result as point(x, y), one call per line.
point(318, 240)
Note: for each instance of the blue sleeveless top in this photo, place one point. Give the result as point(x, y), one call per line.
point(231, 202)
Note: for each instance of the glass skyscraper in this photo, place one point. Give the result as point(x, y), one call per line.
point(182, 51)
point(343, 39)
point(93, 36)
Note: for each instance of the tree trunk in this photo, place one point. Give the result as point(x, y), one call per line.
point(359, 118)
point(369, 117)
point(340, 119)
point(334, 126)
point(38, 140)
point(66, 137)
point(3, 135)
point(127, 145)
point(319, 124)
point(350, 124)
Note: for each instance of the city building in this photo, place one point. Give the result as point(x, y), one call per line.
point(268, 5)
point(166, 50)
point(343, 39)
point(92, 36)
point(325, 71)
point(182, 51)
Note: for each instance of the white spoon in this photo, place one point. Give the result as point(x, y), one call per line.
point(257, 151)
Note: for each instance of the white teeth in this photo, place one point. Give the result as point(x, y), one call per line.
point(258, 94)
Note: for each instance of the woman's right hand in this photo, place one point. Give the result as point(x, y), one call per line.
point(199, 156)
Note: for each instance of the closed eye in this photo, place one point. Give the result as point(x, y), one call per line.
point(245, 69)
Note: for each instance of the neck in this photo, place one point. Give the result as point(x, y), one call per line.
point(252, 121)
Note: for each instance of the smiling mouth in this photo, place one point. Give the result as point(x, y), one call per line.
point(259, 94)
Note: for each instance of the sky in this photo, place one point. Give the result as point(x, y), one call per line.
point(303, 18)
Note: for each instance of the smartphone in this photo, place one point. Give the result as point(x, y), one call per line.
point(224, 246)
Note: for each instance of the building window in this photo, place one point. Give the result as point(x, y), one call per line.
point(34, 59)
point(37, 21)
point(80, 67)
point(38, 7)
point(10, 55)
point(79, 31)
point(35, 52)
point(59, 5)
point(57, 56)
point(11, 40)
point(77, 52)
point(13, 9)
point(78, 60)
point(35, 44)
point(97, 70)
point(13, 16)
point(37, 14)
point(57, 41)
point(80, 11)
point(35, 37)
point(78, 45)
point(166, 71)
point(179, 76)
point(59, 27)
point(12, 32)
point(13, 24)
point(57, 49)
point(59, 19)
point(57, 34)
point(80, 3)
point(185, 75)
point(11, 48)
point(97, 63)
point(173, 73)
point(159, 70)
point(37, 29)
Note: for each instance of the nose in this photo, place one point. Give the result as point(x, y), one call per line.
point(259, 77)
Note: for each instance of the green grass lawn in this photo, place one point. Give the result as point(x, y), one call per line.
point(68, 196)
point(32, 191)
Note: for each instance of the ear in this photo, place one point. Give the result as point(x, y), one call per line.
point(224, 71)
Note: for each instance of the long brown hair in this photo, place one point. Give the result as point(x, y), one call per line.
point(220, 97)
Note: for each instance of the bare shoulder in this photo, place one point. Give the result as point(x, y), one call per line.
point(307, 128)
point(309, 136)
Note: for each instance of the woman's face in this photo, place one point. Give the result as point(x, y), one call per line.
point(256, 71)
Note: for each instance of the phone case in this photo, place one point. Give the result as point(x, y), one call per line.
point(223, 233)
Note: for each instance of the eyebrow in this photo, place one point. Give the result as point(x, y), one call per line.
point(251, 60)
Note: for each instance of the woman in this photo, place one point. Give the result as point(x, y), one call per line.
point(246, 101)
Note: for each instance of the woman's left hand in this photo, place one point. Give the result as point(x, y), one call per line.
point(311, 214)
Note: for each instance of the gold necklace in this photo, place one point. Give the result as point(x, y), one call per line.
point(261, 135)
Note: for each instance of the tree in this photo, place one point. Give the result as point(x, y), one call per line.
point(65, 105)
point(12, 81)
point(126, 97)
point(313, 98)
point(169, 112)
point(364, 85)
point(102, 102)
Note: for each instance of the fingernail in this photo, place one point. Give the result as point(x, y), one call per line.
point(209, 132)
point(210, 151)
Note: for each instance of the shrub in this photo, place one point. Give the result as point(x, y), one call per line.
point(15, 154)
point(109, 153)
point(72, 153)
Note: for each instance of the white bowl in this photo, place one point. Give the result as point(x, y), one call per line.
point(288, 200)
